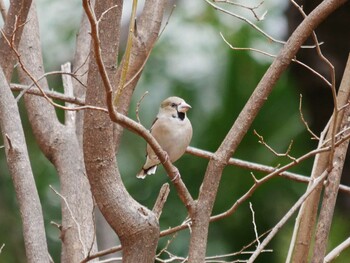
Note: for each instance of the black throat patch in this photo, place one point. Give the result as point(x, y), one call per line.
point(181, 115)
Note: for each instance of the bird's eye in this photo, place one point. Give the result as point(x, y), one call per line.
point(173, 105)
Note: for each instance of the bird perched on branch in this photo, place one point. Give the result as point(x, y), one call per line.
point(172, 130)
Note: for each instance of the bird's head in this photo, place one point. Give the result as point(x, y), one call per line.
point(175, 106)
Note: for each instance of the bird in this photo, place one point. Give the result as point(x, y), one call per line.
point(172, 130)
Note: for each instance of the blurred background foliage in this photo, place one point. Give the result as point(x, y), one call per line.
point(192, 61)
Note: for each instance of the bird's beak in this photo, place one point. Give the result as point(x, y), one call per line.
point(183, 107)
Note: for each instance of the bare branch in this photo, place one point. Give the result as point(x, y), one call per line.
point(258, 167)
point(162, 197)
point(286, 154)
point(274, 56)
point(70, 116)
point(314, 136)
point(336, 251)
point(138, 106)
point(254, 224)
point(2, 247)
point(333, 88)
point(280, 224)
point(24, 68)
point(49, 93)
point(250, 8)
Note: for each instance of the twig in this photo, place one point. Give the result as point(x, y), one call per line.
point(161, 199)
point(102, 253)
point(274, 56)
point(249, 23)
point(258, 167)
point(250, 8)
point(125, 65)
point(337, 250)
point(37, 84)
point(111, 260)
point(74, 219)
point(49, 93)
point(167, 245)
point(314, 136)
point(333, 88)
point(126, 122)
point(254, 224)
point(69, 90)
point(138, 106)
point(259, 182)
point(279, 225)
point(29, 87)
point(1, 248)
point(286, 154)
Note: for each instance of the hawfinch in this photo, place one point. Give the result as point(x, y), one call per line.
point(172, 130)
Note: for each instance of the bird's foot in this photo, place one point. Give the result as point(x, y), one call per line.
point(177, 175)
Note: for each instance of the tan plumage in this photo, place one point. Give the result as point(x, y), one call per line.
point(173, 131)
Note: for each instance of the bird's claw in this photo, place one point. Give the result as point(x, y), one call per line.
point(177, 175)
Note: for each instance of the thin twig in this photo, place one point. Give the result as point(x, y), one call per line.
point(314, 136)
point(337, 250)
point(74, 219)
point(286, 154)
point(274, 56)
point(138, 106)
point(1, 248)
point(49, 93)
point(254, 224)
point(249, 23)
point(76, 77)
point(250, 8)
point(37, 84)
point(257, 167)
point(286, 217)
point(333, 87)
point(125, 65)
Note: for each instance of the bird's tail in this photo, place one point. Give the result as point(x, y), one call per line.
point(144, 172)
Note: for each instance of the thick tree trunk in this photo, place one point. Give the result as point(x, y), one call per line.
point(60, 145)
point(22, 176)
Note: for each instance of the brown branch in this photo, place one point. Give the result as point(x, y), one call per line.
point(258, 167)
point(286, 154)
point(336, 251)
point(127, 123)
point(314, 136)
point(243, 122)
point(286, 217)
point(36, 83)
point(250, 8)
point(161, 199)
point(49, 93)
point(305, 223)
point(313, 71)
point(333, 182)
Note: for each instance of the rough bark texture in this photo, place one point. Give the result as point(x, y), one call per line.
point(15, 144)
point(60, 145)
point(22, 176)
point(333, 180)
point(16, 17)
point(305, 224)
point(215, 167)
point(136, 226)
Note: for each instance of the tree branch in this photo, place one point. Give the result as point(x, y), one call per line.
point(216, 165)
